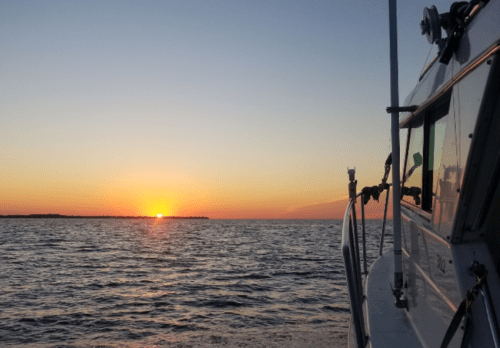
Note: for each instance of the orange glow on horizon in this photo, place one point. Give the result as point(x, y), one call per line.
point(149, 190)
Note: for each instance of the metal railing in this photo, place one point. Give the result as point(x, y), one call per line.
point(350, 252)
point(352, 262)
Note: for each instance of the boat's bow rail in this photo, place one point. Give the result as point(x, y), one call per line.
point(351, 251)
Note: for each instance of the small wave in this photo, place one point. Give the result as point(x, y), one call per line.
point(117, 287)
point(188, 327)
point(119, 284)
point(255, 276)
point(337, 308)
point(222, 303)
point(138, 304)
point(28, 320)
point(307, 300)
point(302, 274)
point(102, 323)
point(94, 286)
point(161, 304)
point(87, 250)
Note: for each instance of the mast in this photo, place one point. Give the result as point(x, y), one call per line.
point(398, 267)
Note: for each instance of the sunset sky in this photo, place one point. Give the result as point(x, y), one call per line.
point(227, 109)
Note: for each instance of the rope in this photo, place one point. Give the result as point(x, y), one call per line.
point(375, 191)
point(465, 308)
point(425, 63)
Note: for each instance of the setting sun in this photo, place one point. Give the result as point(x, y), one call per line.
point(159, 215)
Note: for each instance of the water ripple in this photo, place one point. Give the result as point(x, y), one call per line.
point(173, 283)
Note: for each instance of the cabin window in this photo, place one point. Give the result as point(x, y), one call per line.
point(466, 101)
point(436, 141)
point(423, 156)
point(412, 189)
point(403, 140)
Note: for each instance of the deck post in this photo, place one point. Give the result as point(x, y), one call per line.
point(385, 219)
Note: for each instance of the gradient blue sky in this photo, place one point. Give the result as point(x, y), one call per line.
point(222, 108)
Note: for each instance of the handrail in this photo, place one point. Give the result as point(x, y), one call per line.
point(365, 267)
point(352, 262)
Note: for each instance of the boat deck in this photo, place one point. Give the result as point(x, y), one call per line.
point(387, 325)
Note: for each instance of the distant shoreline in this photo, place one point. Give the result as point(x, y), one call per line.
point(59, 216)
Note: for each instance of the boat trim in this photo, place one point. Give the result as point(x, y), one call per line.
point(472, 66)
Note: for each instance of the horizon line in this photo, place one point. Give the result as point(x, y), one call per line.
point(61, 216)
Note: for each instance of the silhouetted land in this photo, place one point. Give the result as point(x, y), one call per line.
point(59, 216)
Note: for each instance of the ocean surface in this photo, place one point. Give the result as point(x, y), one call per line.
point(174, 283)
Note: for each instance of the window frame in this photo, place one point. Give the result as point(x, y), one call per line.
point(427, 117)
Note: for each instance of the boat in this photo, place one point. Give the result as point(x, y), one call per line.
point(438, 284)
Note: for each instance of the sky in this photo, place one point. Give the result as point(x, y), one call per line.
point(225, 109)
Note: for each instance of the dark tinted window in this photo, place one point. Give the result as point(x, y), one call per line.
point(412, 178)
point(423, 158)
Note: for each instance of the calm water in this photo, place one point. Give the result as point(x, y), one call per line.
point(173, 283)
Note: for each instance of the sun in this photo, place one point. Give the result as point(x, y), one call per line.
point(159, 215)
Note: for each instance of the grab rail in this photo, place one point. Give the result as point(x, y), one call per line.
point(352, 267)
